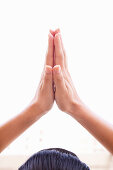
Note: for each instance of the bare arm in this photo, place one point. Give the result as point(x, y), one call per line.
point(13, 128)
point(40, 105)
point(68, 100)
point(99, 128)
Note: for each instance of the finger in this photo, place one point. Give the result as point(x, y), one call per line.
point(64, 52)
point(59, 56)
point(65, 57)
point(47, 80)
point(52, 32)
point(58, 78)
point(49, 54)
point(57, 31)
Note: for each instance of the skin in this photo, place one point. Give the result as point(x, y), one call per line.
point(56, 84)
point(39, 106)
point(68, 100)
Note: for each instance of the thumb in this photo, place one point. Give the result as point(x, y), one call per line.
point(48, 77)
point(58, 78)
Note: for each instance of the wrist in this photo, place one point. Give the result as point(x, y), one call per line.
point(36, 110)
point(75, 109)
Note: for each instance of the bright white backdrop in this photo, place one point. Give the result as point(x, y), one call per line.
point(87, 31)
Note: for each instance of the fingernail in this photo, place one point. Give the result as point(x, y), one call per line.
point(57, 35)
point(47, 70)
point(58, 69)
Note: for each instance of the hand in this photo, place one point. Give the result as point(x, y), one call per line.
point(41, 103)
point(65, 93)
point(44, 96)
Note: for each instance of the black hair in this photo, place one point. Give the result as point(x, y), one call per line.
point(54, 159)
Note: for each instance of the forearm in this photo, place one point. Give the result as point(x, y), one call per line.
point(13, 128)
point(98, 127)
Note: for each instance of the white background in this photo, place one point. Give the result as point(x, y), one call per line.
point(87, 31)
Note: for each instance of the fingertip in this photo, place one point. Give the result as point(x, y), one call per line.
point(48, 69)
point(50, 40)
point(57, 30)
point(56, 66)
point(56, 69)
point(57, 39)
point(58, 35)
point(48, 66)
point(48, 76)
point(50, 35)
point(52, 32)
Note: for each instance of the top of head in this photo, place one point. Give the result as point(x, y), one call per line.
point(54, 159)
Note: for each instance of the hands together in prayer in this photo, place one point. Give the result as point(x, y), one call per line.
point(56, 84)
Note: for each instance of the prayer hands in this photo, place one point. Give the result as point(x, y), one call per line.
point(56, 82)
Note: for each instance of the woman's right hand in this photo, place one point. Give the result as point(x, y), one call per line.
point(44, 97)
